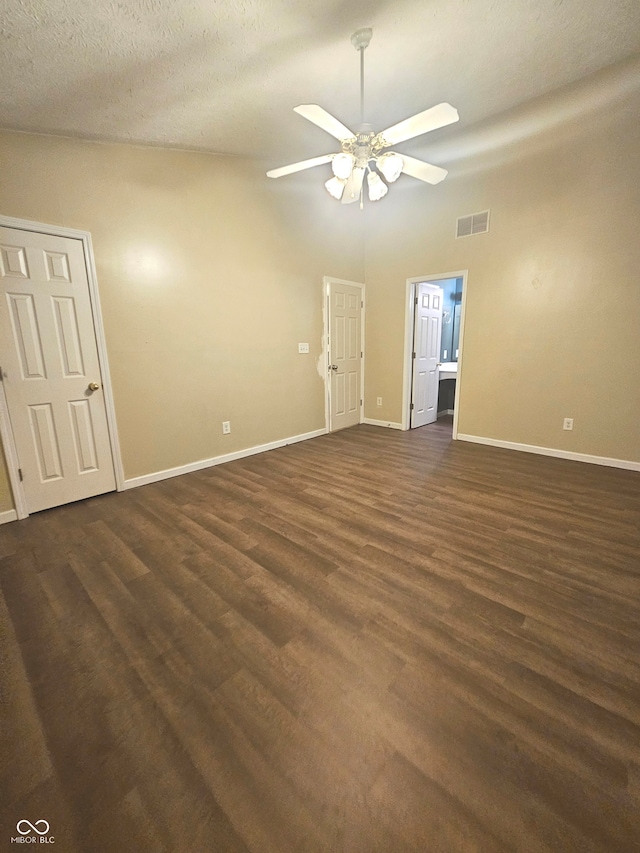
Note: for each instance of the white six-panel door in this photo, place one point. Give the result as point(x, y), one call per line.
point(50, 369)
point(426, 347)
point(345, 354)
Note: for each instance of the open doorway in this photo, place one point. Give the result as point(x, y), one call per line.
point(433, 349)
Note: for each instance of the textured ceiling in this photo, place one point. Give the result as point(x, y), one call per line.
point(224, 75)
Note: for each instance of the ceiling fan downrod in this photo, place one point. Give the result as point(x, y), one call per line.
point(360, 40)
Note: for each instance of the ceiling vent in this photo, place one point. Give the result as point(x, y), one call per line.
point(475, 223)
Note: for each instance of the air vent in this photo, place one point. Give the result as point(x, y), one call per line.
point(475, 223)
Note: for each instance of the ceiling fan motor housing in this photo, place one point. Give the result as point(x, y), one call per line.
point(365, 146)
point(362, 151)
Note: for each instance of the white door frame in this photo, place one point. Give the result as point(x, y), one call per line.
point(6, 434)
point(408, 343)
point(327, 280)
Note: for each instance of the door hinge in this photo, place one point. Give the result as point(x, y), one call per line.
point(413, 355)
point(361, 304)
point(411, 406)
point(20, 474)
point(415, 301)
point(360, 353)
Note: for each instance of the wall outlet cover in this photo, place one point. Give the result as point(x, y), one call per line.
point(303, 348)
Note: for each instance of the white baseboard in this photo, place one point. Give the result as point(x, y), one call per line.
point(8, 515)
point(387, 424)
point(445, 412)
point(551, 451)
point(134, 482)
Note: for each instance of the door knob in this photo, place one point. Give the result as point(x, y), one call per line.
point(334, 367)
point(93, 386)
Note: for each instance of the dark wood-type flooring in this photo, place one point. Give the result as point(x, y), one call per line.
point(372, 642)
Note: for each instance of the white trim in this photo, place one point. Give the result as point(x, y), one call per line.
point(11, 457)
point(325, 351)
point(552, 451)
point(92, 281)
point(408, 342)
point(388, 424)
point(327, 281)
point(8, 515)
point(445, 412)
point(407, 367)
point(145, 479)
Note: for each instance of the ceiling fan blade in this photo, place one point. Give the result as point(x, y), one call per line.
point(353, 186)
point(423, 171)
point(298, 167)
point(323, 119)
point(431, 119)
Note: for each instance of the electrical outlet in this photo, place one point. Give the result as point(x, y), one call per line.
point(226, 427)
point(379, 401)
point(567, 423)
point(303, 348)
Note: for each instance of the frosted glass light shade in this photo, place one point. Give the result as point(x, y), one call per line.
point(391, 166)
point(335, 187)
point(342, 165)
point(377, 187)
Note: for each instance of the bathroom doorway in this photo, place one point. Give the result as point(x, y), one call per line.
point(449, 365)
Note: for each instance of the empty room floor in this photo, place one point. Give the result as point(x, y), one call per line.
point(371, 642)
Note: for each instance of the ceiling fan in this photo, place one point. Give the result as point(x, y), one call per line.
point(361, 149)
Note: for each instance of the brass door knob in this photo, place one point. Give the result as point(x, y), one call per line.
point(93, 386)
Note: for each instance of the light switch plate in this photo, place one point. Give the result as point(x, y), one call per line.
point(303, 348)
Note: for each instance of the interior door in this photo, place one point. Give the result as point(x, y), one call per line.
point(427, 334)
point(50, 369)
point(345, 355)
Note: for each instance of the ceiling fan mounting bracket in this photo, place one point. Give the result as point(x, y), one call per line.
point(361, 38)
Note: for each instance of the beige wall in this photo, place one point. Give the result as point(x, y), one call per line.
point(552, 325)
point(209, 275)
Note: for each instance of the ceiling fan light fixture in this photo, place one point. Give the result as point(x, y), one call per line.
point(377, 187)
point(360, 150)
point(391, 166)
point(335, 187)
point(342, 165)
